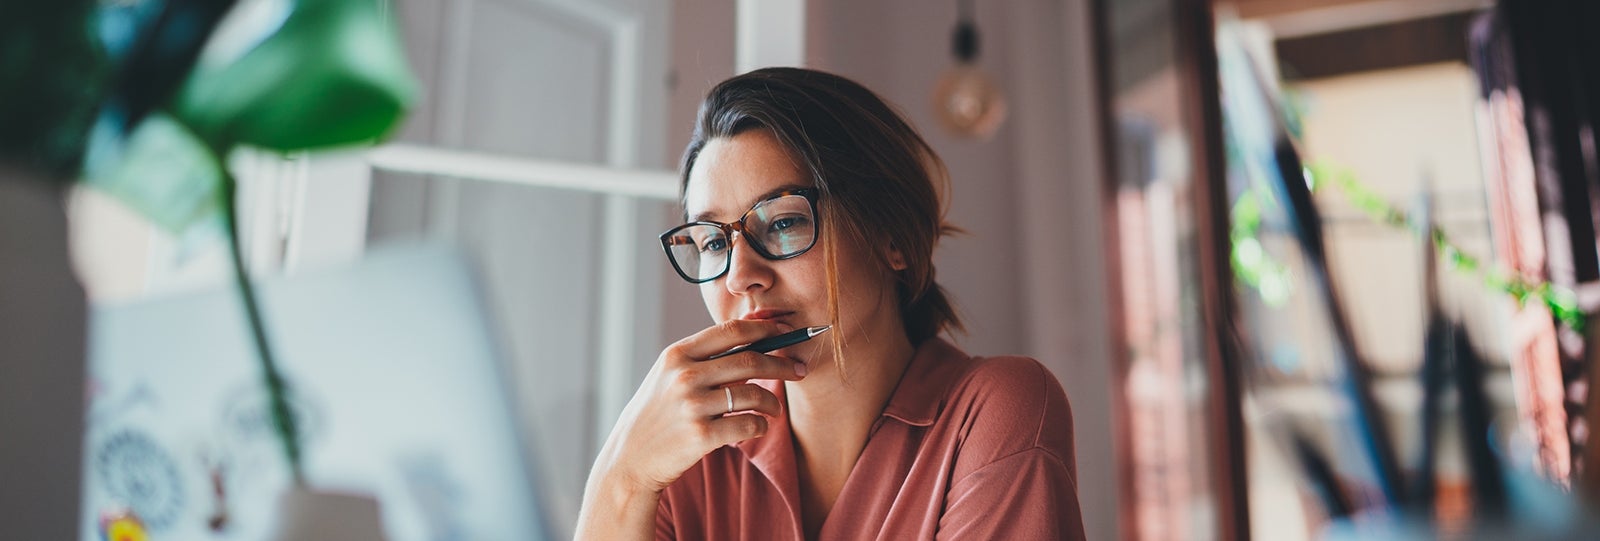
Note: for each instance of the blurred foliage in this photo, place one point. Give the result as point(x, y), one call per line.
point(1562, 303)
point(52, 77)
point(1252, 263)
point(330, 73)
point(1255, 268)
point(162, 171)
point(149, 97)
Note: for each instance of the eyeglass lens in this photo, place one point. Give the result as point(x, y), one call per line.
point(778, 228)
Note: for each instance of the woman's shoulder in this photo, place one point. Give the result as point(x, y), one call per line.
point(1006, 405)
point(1010, 385)
point(1004, 371)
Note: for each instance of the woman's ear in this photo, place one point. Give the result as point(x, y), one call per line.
point(897, 260)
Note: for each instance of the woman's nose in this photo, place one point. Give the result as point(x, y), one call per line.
point(747, 270)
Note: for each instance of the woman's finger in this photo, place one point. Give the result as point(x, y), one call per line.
point(734, 429)
point(742, 367)
point(744, 397)
point(725, 336)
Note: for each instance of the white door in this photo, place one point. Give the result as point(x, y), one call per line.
point(565, 81)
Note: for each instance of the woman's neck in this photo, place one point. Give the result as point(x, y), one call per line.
point(831, 416)
point(848, 401)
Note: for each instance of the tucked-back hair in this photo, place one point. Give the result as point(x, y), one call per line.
point(879, 183)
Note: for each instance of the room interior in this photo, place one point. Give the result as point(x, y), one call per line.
point(1237, 231)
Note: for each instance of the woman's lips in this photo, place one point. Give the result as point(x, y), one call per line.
point(770, 314)
point(765, 314)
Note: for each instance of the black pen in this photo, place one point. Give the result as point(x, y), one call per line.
point(776, 342)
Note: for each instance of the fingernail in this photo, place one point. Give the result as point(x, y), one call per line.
point(800, 369)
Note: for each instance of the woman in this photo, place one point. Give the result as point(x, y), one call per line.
point(812, 203)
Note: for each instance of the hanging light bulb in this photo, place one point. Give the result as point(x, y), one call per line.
point(966, 100)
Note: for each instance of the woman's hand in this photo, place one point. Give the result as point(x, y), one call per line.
point(681, 413)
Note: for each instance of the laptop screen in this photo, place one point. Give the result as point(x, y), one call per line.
point(394, 383)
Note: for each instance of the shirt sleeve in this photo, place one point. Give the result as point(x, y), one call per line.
point(1015, 476)
point(664, 529)
point(1030, 495)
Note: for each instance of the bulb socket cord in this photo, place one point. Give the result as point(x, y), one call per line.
point(964, 43)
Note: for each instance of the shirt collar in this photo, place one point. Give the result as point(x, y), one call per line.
point(765, 451)
point(920, 394)
point(773, 454)
point(916, 401)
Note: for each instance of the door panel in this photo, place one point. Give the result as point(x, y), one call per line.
point(535, 83)
point(556, 80)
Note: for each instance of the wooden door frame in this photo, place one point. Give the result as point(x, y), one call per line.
point(1196, 61)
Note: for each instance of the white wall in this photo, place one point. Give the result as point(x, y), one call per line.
point(898, 48)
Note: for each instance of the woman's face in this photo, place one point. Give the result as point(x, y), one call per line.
point(729, 177)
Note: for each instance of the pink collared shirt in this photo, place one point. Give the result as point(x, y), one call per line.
point(967, 448)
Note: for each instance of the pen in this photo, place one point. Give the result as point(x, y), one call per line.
point(776, 342)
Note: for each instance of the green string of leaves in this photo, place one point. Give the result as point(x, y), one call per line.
point(1272, 280)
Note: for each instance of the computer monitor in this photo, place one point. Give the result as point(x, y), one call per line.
point(394, 381)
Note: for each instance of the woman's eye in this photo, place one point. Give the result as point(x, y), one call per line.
point(714, 244)
point(786, 222)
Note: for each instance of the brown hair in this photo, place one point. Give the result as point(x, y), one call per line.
point(871, 170)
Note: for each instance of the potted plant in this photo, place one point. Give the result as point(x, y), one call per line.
point(145, 101)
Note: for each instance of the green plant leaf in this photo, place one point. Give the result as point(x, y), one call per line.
point(163, 171)
point(332, 74)
point(51, 78)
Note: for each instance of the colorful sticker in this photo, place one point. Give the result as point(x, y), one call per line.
point(122, 525)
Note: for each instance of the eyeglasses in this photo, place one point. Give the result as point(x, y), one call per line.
point(779, 227)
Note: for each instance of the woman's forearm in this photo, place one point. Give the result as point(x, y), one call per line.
point(617, 510)
point(684, 409)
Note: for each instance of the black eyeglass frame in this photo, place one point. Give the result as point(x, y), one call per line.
point(738, 226)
